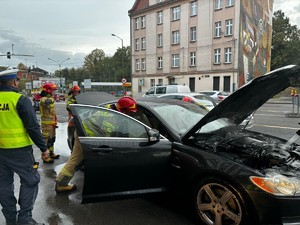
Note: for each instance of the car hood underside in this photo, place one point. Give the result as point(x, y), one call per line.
point(255, 150)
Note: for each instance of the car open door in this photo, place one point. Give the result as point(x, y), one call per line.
point(122, 156)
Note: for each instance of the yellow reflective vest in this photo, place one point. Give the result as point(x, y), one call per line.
point(12, 131)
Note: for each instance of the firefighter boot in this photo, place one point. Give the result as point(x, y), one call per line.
point(48, 160)
point(62, 184)
point(52, 154)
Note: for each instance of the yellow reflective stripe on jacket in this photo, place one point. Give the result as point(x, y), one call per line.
point(12, 133)
point(71, 100)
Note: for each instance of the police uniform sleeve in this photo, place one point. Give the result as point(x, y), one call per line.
point(28, 116)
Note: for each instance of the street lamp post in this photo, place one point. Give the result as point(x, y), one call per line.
point(59, 63)
point(121, 53)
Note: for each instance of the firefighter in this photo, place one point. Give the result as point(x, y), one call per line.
point(49, 118)
point(125, 105)
point(75, 90)
point(19, 130)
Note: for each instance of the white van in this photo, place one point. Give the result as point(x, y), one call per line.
point(159, 90)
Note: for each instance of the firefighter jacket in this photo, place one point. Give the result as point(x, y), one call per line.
point(71, 100)
point(48, 112)
point(102, 123)
point(18, 122)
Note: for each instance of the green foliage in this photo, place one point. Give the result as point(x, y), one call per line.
point(99, 67)
point(285, 42)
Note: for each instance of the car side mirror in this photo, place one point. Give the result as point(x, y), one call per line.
point(154, 136)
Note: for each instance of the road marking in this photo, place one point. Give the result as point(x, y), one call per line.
point(290, 128)
point(256, 114)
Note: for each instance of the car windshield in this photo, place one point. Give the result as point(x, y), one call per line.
point(215, 125)
point(180, 118)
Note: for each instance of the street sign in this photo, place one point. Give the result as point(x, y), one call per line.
point(141, 81)
point(87, 83)
point(127, 84)
point(124, 80)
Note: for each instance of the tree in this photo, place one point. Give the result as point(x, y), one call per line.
point(285, 42)
point(92, 60)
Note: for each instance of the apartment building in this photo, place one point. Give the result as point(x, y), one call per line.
point(205, 44)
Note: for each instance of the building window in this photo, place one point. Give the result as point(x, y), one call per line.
point(229, 3)
point(193, 59)
point(159, 40)
point(137, 23)
point(143, 40)
point(159, 62)
point(228, 55)
point(193, 34)
point(176, 13)
point(175, 37)
point(218, 4)
point(152, 82)
point(229, 26)
point(175, 60)
point(137, 64)
point(160, 17)
point(160, 82)
point(218, 29)
point(217, 56)
point(194, 8)
point(143, 64)
point(143, 25)
point(137, 44)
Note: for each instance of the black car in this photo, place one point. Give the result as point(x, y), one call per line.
point(233, 175)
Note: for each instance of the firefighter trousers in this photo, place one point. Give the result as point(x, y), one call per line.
point(21, 162)
point(69, 169)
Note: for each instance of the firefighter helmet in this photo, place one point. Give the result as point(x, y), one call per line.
point(49, 87)
point(126, 104)
point(75, 88)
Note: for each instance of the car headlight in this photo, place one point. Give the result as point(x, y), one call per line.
point(277, 184)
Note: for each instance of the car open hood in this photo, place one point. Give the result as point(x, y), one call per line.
point(240, 104)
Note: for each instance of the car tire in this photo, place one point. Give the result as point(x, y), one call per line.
point(218, 202)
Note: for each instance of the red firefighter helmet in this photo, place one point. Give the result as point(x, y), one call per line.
point(126, 104)
point(75, 88)
point(49, 87)
point(187, 99)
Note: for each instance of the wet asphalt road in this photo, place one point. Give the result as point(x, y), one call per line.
point(55, 209)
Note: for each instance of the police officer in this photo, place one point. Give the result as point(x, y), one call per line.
point(75, 90)
point(125, 105)
point(19, 130)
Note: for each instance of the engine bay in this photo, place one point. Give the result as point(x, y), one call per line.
point(256, 150)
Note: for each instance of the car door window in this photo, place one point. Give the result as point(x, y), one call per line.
point(160, 90)
point(102, 122)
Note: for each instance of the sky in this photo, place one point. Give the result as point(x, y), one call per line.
point(62, 29)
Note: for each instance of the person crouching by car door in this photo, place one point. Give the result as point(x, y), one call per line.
point(125, 105)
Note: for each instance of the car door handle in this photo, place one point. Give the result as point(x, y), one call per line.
point(102, 149)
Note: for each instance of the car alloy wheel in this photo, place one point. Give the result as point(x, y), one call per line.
point(218, 203)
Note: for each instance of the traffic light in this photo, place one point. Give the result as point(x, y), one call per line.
point(8, 55)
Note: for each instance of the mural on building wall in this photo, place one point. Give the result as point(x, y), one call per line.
point(255, 39)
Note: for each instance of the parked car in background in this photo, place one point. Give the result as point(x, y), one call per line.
point(201, 99)
point(160, 90)
point(59, 97)
point(233, 176)
point(217, 95)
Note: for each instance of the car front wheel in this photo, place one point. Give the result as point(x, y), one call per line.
point(219, 203)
